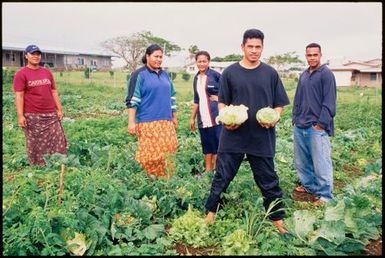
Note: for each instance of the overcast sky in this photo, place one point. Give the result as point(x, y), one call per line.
point(344, 30)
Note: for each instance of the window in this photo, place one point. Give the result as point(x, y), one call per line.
point(10, 57)
point(373, 76)
point(80, 61)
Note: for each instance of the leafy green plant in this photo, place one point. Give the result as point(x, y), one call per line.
point(8, 74)
point(190, 228)
point(238, 243)
point(255, 221)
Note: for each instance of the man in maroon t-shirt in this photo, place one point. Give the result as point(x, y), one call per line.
point(39, 111)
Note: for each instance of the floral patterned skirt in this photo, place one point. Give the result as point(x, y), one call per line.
point(44, 135)
point(157, 144)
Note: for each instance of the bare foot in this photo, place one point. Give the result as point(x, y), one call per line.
point(319, 202)
point(279, 225)
point(210, 218)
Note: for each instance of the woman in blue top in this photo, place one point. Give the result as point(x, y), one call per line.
point(151, 107)
point(205, 108)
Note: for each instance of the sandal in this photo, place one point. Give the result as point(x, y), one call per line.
point(300, 189)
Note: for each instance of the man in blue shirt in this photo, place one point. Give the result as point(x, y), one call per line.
point(314, 108)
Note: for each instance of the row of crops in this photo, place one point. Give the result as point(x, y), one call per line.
point(108, 206)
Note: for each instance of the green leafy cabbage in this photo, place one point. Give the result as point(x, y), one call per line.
point(267, 115)
point(232, 115)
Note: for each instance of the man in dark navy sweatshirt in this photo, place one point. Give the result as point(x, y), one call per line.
point(314, 108)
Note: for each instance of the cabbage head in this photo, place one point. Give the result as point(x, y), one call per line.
point(267, 115)
point(190, 229)
point(232, 115)
point(77, 245)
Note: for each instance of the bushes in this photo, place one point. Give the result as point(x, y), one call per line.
point(87, 73)
point(172, 75)
point(186, 76)
point(8, 74)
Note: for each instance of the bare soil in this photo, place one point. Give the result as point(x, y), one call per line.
point(182, 249)
point(303, 197)
point(374, 248)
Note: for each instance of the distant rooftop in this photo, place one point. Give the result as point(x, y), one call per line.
point(52, 50)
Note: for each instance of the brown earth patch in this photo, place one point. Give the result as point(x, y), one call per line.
point(302, 197)
point(351, 170)
point(339, 184)
point(374, 248)
point(183, 249)
point(9, 178)
point(167, 228)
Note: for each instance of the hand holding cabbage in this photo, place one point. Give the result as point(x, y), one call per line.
point(232, 116)
point(268, 117)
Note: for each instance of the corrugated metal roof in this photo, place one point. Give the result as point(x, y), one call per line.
point(371, 70)
point(57, 51)
point(361, 70)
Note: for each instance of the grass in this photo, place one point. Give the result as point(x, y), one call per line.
point(118, 81)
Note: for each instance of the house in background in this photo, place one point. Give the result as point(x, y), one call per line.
point(58, 59)
point(358, 73)
point(191, 68)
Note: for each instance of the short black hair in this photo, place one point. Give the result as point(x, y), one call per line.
point(150, 49)
point(202, 53)
point(252, 33)
point(314, 45)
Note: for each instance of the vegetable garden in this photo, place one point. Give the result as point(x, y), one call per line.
point(108, 206)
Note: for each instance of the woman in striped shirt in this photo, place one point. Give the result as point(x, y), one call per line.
point(205, 108)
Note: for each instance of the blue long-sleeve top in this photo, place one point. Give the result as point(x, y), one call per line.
point(151, 94)
point(315, 99)
point(212, 88)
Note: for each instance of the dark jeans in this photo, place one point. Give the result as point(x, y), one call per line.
point(264, 176)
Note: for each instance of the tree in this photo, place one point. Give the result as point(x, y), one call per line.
point(132, 48)
point(228, 58)
point(168, 47)
point(192, 50)
point(279, 61)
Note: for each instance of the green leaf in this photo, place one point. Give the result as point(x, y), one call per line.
point(303, 222)
point(333, 231)
point(327, 247)
point(350, 221)
point(351, 245)
point(115, 251)
point(153, 231)
point(335, 213)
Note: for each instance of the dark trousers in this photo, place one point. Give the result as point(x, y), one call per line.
point(264, 176)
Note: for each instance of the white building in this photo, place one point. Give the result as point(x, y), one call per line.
point(358, 73)
point(217, 66)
